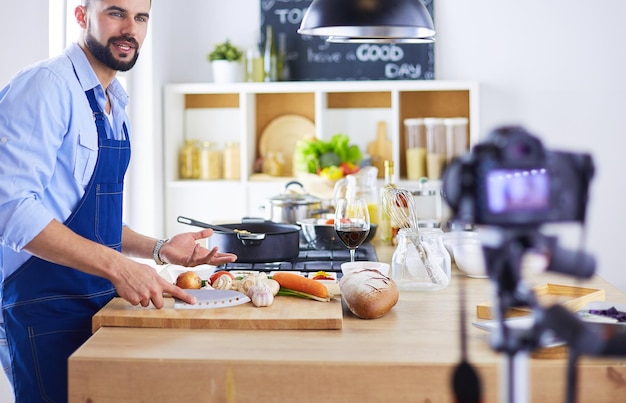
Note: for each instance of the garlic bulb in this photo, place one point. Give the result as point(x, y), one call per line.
point(261, 295)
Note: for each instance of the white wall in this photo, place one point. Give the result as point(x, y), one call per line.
point(25, 34)
point(558, 67)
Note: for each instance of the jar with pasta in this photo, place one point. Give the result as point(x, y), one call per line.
point(232, 161)
point(189, 160)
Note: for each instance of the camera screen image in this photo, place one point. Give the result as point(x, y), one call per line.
point(518, 190)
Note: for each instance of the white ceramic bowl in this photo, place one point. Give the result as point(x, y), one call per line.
point(352, 266)
point(453, 238)
point(469, 258)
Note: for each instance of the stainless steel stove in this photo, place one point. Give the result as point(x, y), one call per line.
point(310, 260)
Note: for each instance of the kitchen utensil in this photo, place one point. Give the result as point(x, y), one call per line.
point(244, 235)
point(269, 241)
point(380, 149)
point(281, 136)
point(400, 205)
point(293, 205)
point(212, 299)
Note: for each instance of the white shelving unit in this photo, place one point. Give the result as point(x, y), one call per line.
point(240, 112)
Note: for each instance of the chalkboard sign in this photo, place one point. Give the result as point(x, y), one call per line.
point(310, 58)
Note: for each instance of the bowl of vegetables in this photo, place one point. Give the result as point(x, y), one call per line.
point(332, 159)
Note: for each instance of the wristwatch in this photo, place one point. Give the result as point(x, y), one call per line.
point(157, 250)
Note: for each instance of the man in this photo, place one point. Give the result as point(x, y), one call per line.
point(64, 150)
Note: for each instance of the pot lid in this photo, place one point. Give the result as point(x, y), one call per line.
point(289, 197)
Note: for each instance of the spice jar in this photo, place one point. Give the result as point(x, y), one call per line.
point(210, 161)
point(421, 261)
point(231, 160)
point(189, 160)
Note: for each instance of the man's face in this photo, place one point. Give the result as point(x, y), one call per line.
point(115, 31)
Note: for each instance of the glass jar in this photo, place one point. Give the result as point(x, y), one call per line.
point(231, 159)
point(189, 160)
point(437, 149)
point(421, 261)
point(456, 136)
point(210, 161)
point(415, 148)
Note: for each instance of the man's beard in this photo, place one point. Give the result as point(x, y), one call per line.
point(105, 55)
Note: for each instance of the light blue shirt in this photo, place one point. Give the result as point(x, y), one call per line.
point(48, 146)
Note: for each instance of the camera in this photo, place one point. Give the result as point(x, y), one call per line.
point(511, 180)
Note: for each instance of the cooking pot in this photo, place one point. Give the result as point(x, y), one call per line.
point(255, 240)
point(289, 207)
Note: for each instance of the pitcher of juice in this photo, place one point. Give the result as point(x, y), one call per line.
point(362, 184)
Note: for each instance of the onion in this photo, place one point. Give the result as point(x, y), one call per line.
point(189, 280)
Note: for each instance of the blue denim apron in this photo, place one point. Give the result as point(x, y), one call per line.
point(48, 308)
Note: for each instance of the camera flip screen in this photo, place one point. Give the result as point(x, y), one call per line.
point(518, 190)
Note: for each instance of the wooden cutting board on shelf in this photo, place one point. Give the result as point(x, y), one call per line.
point(380, 149)
point(285, 313)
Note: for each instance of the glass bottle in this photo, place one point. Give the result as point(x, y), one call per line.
point(421, 262)
point(385, 219)
point(232, 168)
point(282, 70)
point(269, 55)
point(189, 160)
point(254, 65)
point(210, 161)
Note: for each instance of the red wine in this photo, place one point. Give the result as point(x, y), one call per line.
point(352, 238)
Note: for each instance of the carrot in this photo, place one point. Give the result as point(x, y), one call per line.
point(300, 283)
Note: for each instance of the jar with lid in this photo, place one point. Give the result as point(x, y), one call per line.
point(273, 164)
point(232, 169)
point(437, 150)
point(189, 160)
point(456, 136)
point(421, 261)
point(415, 148)
point(210, 161)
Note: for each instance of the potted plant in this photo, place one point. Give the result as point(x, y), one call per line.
point(226, 63)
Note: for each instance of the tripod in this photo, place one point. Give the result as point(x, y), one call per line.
point(503, 257)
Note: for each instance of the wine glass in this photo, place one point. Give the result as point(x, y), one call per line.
point(352, 222)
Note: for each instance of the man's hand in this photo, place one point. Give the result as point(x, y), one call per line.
point(184, 250)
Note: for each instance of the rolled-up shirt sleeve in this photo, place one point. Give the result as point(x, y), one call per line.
point(37, 153)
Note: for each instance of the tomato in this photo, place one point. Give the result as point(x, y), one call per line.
point(217, 274)
point(322, 275)
point(330, 221)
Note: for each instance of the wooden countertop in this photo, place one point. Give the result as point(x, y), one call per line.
point(406, 356)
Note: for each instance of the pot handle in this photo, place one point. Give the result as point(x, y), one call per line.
point(195, 223)
point(292, 183)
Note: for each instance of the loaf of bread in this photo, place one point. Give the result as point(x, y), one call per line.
point(368, 293)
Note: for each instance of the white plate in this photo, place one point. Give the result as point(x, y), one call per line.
point(524, 323)
point(588, 317)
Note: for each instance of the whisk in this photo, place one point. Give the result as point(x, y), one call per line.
point(400, 205)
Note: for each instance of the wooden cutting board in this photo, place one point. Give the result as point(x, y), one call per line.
point(284, 313)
